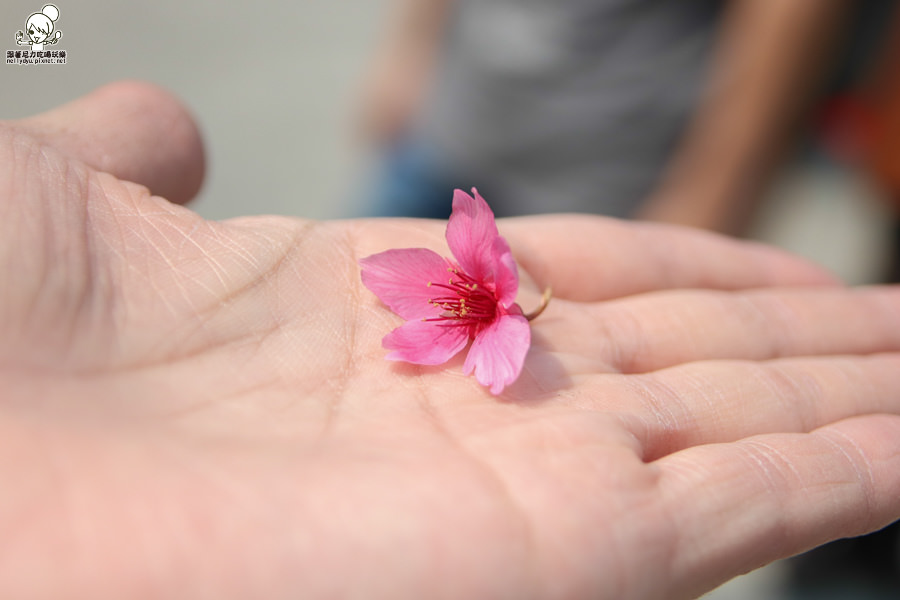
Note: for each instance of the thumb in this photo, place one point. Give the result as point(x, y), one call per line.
point(133, 130)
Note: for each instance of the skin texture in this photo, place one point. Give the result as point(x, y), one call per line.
point(201, 409)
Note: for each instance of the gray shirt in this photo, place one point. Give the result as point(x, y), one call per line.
point(567, 105)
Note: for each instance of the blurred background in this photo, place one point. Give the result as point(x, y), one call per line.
point(278, 88)
point(272, 84)
point(299, 108)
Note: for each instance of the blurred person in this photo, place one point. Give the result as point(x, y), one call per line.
point(672, 111)
point(861, 127)
point(861, 123)
point(191, 408)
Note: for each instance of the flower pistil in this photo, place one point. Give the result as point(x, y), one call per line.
point(465, 304)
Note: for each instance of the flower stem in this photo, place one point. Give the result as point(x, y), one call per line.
point(545, 300)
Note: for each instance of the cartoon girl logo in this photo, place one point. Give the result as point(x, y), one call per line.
point(39, 29)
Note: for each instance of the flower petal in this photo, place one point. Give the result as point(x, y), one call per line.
point(506, 275)
point(471, 232)
point(425, 342)
point(498, 352)
point(400, 279)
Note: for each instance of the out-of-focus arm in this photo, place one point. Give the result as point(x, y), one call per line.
point(402, 65)
point(770, 60)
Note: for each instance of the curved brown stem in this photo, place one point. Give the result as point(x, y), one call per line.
point(545, 300)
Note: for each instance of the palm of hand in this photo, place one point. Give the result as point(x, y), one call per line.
point(207, 404)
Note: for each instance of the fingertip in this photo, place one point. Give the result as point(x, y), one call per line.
point(134, 130)
point(787, 268)
point(593, 258)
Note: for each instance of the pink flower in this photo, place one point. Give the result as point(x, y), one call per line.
point(447, 302)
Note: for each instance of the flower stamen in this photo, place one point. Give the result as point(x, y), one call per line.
point(465, 303)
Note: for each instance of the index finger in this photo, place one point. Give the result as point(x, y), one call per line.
point(744, 504)
point(591, 258)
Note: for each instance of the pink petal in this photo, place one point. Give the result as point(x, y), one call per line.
point(498, 352)
point(506, 275)
point(425, 342)
point(471, 232)
point(400, 279)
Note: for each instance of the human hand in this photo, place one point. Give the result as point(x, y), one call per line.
point(203, 409)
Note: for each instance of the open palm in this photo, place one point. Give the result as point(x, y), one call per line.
point(201, 409)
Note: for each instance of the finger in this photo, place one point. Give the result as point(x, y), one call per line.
point(739, 506)
point(654, 331)
point(589, 258)
point(136, 131)
point(722, 401)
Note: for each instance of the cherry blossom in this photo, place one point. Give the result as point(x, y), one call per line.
point(449, 302)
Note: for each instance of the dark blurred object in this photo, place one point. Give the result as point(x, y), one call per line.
point(859, 569)
point(882, 155)
point(861, 122)
point(861, 125)
point(893, 275)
